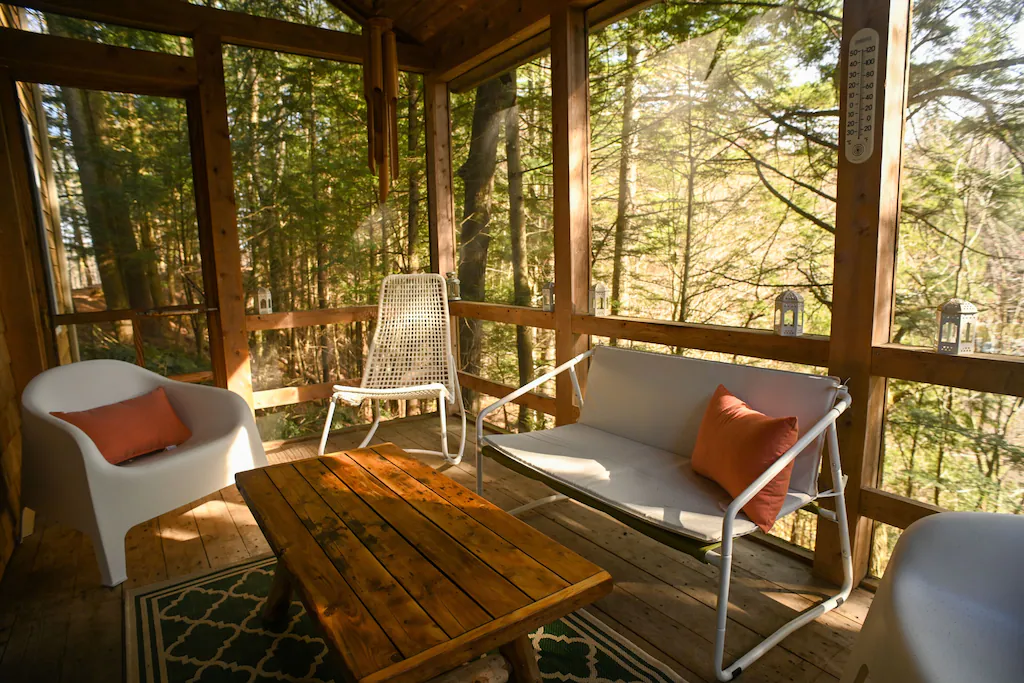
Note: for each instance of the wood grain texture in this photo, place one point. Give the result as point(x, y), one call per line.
point(807, 350)
point(894, 510)
point(865, 263)
point(326, 316)
point(440, 189)
point(187, 19)
point(570, 113)
point(502, 313)
point(40, 58)
point(979, 372)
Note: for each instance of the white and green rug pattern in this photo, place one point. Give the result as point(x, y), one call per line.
point(208, 629)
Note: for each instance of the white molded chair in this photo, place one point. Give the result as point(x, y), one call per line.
point(950, 607)
point(66, 479)
point(410, 356)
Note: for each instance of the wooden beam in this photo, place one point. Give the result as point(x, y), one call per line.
point(531, 400)
point(217, 217)
point(39, 58)
point(981, 372)
point(440, 190)
point(808, 350)
point(272, 398)
point(570, 105)
point(186, 19)
point(867, 219)
point(892, 509)
point(477, 43)
point(500, 313)
point(193, 377)
point(324, 316)
point(22, 302)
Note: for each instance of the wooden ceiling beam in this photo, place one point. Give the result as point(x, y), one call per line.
point(185, 19)
point(599, 15)
point(38, 58)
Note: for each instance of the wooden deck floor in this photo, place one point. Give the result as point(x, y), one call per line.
point(57, 624)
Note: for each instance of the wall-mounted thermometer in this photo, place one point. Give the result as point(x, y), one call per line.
point(861, 103)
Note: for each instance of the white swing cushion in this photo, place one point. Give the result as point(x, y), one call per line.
point(654, 485)
point(639, 423)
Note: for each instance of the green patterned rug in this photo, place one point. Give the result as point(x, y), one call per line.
point(208, 629)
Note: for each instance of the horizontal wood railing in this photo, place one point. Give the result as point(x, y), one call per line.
point(320, 316)
point(534, 401)
point(808, 350)
point(502, 313)
point(284, 396)
point(193, 377)
point(979, 372)
point(893, 509)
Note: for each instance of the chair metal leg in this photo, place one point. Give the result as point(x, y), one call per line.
point(327, 427)
point(376, 423)
point(725, 563)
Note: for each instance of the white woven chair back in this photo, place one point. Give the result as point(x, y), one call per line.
point(412, 343)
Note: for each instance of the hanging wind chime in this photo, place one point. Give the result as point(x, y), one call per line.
point(380, 86)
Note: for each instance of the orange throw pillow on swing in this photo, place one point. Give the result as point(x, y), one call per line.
point(736, 444)
point(140, 425)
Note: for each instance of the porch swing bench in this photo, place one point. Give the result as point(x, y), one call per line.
point(629, 457)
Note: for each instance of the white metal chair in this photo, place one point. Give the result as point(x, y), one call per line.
point(628, 456)
point(66, 479)
point(410, 356)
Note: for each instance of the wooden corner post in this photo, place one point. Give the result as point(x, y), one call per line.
point(440, 191)
point(570, 109)
point(867, 219)
point(218, 220)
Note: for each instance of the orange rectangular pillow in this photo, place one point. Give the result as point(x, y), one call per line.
point(122, 431)
point(736, 444)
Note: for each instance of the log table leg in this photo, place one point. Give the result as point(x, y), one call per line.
point(523, 659)
point(280, 596)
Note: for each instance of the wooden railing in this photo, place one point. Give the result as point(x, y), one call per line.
point(987, 373)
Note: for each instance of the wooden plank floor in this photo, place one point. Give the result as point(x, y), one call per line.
point(58, 624)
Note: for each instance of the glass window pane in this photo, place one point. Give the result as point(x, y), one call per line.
point(962, 218)
point(713, 160)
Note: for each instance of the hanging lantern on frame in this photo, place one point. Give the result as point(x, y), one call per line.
point(454, 286)
point(264, 301)
point(599, 304)
point(380, 88)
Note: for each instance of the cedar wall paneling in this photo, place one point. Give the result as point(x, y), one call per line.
point(10, 453)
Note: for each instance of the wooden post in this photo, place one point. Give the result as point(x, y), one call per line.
point(440, 191)
point(867, 218)
point(23, 302)
point(570, 109)
point(217, 217)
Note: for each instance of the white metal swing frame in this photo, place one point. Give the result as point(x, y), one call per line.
point(723, 557)
point(410, 357)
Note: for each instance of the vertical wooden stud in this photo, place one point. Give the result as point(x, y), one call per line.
point(570, 108)
point(22, 298)
point(865, 256)
point(440, 191)
point(218, 222)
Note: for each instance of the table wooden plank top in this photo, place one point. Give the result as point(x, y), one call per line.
point(407, 573)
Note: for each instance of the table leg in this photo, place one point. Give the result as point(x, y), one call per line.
point(280, 596)
point(523, 659)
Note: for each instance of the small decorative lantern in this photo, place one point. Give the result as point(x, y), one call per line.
point(264, 302)
point(958, 321)
point(454, 287)
point(547, 299)
point(599, 304)
point(789, 314)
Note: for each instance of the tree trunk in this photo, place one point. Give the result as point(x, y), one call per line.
point(414, 131)
point(517, 232)
point(477, 174)
point(627, 172)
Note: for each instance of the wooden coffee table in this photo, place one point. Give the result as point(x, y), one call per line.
point(408, 573)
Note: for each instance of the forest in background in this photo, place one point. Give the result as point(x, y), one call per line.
point(713, 149)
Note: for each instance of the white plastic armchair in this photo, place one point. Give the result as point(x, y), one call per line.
point(410, 357)
point(67, 480)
